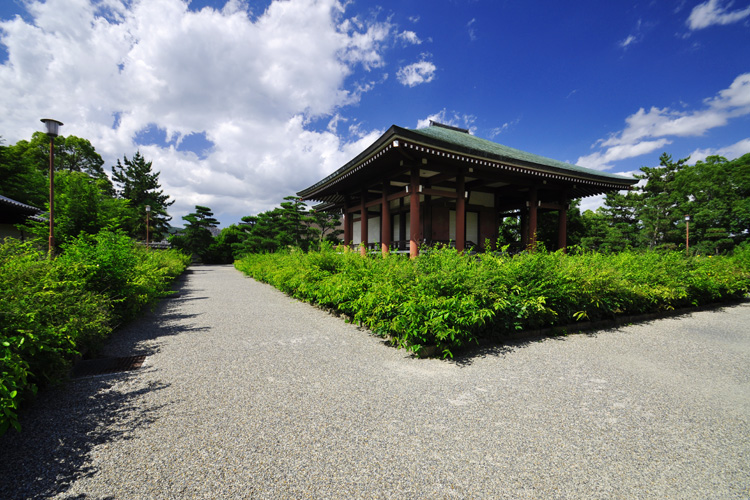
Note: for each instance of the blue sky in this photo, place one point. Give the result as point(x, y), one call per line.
point(239, 104)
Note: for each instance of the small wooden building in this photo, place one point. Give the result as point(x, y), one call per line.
point(12, 213)
point(442, 184)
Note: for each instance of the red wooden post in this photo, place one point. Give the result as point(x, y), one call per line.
point(347, 228)
point(363, 224)
point(385, 222)
point(414, 213)
point(533, 208)
point(460, 212)
point(562, 225)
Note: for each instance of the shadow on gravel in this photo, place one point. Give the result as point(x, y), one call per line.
point(65, 423)
point(52, 451)
point(502, 347)
point(142, 335)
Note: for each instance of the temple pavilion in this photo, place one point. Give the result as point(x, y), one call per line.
point(442, 184)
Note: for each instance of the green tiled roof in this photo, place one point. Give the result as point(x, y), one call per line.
point(452, 139)
point(483, 147)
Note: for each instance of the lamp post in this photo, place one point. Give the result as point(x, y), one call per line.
point(53, 128)
point(148, 212)
point(687, 235)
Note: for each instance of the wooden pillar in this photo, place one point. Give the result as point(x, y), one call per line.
point(414, 213)
point(562, 225)
point(427, 216)
point(498, 219)
point(401, 224)
point(363, 223)
point(533, 210)
point(385, 222)
point(348, 223)
point(460, 212)
point(523, 221)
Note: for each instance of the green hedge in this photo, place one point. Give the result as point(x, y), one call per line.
point(448, 299)
point(53, 311)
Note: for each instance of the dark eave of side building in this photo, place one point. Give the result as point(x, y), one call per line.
point(15, 212)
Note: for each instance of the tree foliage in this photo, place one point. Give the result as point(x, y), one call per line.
point(196, 238)
point(84, 200)
point(289, 225)
point(72, 153)
point(714, 193)
point(24, 166)
point(21, 179)
point(82, 205)
point(137, 183)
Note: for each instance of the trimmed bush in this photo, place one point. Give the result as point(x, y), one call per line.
point(53, 311)
point(448, 299)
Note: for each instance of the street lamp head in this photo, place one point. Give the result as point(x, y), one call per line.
point(53, 126)
point(687, 218)
point(148, 208)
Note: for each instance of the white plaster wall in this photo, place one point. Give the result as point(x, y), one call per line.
point(472, 226)
point(373, 230)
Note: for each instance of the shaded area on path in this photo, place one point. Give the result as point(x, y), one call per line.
point(65, 423)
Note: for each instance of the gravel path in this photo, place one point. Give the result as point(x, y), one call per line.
point(247, 393)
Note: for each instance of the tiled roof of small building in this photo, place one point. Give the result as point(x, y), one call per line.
point(18, 206)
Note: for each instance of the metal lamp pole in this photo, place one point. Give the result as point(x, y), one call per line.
point(53, 129)
point(687, 235)
point(148, 211)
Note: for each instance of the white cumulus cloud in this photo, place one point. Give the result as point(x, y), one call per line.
point(251, 82)
point(416, 73)
point(650, 130)
point(713, 12)
point(730, 152)
point(409, 38)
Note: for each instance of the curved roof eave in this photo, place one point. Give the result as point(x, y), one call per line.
point(444, 138)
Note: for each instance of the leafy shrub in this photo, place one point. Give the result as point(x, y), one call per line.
point(53, 311)
point(448, 299)
point(129, 275)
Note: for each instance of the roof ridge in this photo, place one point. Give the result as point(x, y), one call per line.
point(433, 123)
point(508, 153)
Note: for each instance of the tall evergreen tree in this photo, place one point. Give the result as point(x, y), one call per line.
point(660, 204)
point(714, 192)
point(136, 182)
point(289, 225)
point(619, 210)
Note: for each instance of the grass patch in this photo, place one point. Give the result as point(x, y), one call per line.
point(448, 299)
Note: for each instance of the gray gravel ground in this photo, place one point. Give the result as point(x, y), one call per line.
point(247, 393)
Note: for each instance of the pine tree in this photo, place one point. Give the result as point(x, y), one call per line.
point(137, 183)
point(196, 238)
point(660, 207)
